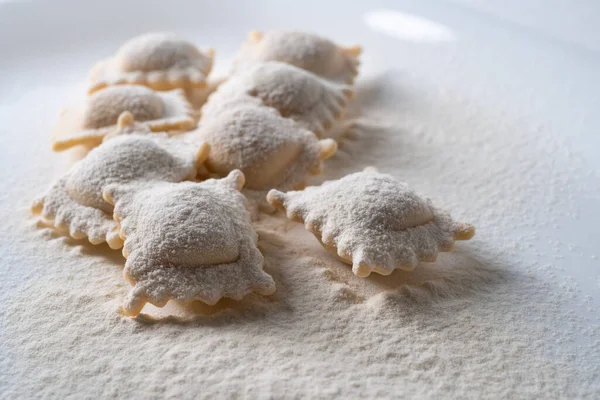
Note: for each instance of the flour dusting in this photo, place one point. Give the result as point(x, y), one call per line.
point(498, 318)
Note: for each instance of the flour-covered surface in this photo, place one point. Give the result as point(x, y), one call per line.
point(501, 135)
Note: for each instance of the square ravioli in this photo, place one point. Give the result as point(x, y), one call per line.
point(373, 222)
point(161, 61)
point(313, 102)
point(187, 241)
point(303, 50)
point(99, 115)
point(74, 203)
point(271, 151)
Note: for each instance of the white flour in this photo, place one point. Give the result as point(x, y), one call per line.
point(490, 320)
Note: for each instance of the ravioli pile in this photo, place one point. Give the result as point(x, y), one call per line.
point(173, 203)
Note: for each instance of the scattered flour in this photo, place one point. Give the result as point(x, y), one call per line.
point(495, 319)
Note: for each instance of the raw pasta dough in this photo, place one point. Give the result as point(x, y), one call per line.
point(74, 203)
point(313, 102)
point(373, 222)
point(304, 50)
point(162, 61)
point(159, 111)
point(272, 151)
point(187, 241)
